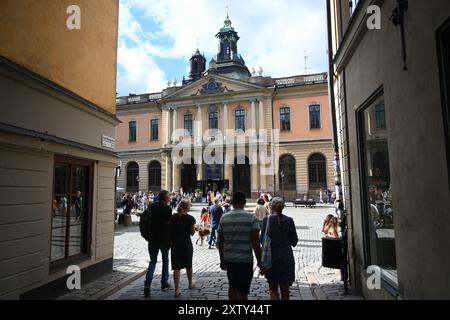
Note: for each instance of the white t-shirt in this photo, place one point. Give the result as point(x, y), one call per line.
point(260, 212)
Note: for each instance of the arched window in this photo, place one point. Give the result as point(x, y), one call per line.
point(154, 176)
point(132, 177)
point(287, 173)
point(317, 171)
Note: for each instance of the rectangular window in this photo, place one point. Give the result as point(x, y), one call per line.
point(188, 124)
point(380, 121)
point(285, 119)
point(443, 36)
point(71, 210)
point(314, 116)
point(154, 129)
point(240, 119)
point(132, 131)
point(214, 120)
point(378, 209)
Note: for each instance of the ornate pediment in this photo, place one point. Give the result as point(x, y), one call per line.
point(212, 86)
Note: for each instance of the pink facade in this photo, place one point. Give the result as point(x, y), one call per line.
point(142, 131)
point(300, 124)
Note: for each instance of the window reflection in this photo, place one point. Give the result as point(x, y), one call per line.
point(379, 193)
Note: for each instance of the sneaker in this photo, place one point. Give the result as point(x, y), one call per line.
point(165, 287)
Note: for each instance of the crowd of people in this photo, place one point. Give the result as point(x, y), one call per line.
point(236, 233)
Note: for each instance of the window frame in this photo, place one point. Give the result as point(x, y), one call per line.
point(129, 131)
point(236, 116)
point(320, 115)
point(444, 72)
point(284, 108)
point(363, 183)
point(187, 132)
point(209, 120)
point(86, 252)
point(152, 138)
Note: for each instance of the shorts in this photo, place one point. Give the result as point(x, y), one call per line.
point(240, 276)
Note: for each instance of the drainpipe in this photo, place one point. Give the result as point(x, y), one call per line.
point(337, 171)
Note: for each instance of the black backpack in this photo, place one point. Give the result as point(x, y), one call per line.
point(145, 224)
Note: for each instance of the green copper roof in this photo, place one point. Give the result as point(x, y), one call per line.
point(227, 25)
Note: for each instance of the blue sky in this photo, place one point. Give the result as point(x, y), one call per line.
point(157, 38)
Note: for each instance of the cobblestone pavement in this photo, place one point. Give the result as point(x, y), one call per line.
point(312, 282)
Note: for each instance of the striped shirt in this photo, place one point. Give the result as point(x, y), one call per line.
point(236, 227)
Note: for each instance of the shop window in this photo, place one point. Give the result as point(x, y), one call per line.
point(378, 201)
point(71, 209)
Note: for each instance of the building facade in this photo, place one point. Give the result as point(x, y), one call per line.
point(57, 164)
point(226, 103)
point(391, 96)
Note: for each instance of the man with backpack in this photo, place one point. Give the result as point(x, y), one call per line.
point(152, 226)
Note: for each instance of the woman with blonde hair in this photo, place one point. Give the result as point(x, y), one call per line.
point(182, 227)
point(331, 229)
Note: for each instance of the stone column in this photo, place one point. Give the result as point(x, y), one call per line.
point(176, 177)
point(225, 118)
point(174, 122)
point(228, 172)
point(254, 177)
point(168, 175)
point(167, 116)
point(199, 124)
point(253, 114)
point(261, 115)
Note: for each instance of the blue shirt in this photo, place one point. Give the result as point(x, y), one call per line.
point(215, 213)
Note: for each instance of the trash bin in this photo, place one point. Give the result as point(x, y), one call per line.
point(332, 253)
point(127, 220)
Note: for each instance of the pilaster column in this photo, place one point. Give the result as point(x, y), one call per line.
point(176, 174)
point(225, 118)
point(228, 172)
point(253, 115)
point(261, 115)
point(174, 122)
point(167, 117)
point(168, 175)
point(255, 175)
point(199, 124)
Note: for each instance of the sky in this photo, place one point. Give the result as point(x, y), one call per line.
point(157, 38)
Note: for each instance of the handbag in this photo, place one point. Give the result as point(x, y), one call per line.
point(266, 256)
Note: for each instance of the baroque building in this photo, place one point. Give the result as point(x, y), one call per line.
point(221, 105)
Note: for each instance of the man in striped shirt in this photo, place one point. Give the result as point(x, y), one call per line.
point(238, 235)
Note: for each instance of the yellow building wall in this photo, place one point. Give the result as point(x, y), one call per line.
point(34, 34)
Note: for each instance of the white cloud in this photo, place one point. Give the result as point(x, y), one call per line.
point(274, 34)
point(138, 73)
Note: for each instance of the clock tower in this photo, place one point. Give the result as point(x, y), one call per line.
point(228, 62)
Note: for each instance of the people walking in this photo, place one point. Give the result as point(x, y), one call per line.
point(215, 213)
point(182, 226)
point(283, 235)
point(160, 214)
point(260, 211)
point(238, 235)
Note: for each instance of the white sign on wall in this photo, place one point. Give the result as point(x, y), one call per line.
point(108, 142)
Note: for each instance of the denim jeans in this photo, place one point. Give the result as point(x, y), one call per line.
point(214, 231)
point(153, 250)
